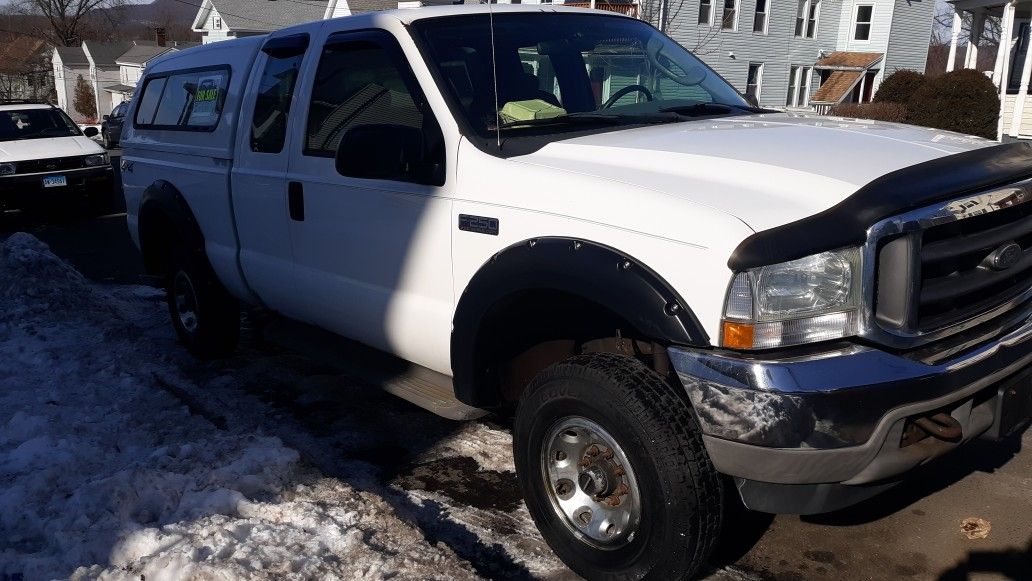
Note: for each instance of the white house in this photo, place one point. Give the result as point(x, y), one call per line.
point(131, 65)
point(1013, 67)
point(70, 63)
point(225, 19)
point(104, 72)
point(805, 53)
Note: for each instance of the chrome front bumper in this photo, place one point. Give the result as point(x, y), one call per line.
point(837, 416)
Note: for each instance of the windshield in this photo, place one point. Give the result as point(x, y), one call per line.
point(35, 124)
point(560, 70)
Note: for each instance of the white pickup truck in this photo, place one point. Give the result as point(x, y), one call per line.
point(566, 215)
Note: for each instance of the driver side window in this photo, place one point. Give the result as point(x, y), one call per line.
point(367, 112)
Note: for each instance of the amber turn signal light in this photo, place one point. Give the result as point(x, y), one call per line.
point(737, 335)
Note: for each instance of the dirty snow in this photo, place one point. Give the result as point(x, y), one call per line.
point(122, 457)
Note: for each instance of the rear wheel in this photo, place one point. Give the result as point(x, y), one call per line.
point(206, 318)
point(613, 470)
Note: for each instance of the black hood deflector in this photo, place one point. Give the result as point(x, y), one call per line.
point(846, 223)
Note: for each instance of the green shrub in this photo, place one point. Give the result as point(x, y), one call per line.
point(964, 101)
point(878, 111)
point(899, 87)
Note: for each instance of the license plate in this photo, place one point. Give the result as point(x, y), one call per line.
point(54, 181)
point(1014, 405)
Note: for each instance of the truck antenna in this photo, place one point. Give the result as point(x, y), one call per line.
point(494, 74)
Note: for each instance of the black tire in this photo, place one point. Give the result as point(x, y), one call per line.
point(106, 140)
point(680, 492)
point(214, 329)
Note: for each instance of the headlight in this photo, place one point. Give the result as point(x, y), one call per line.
point(95, 160)
point(811, 299)
point(6, 169)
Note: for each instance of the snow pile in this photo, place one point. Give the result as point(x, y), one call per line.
point(107, 473)
point(34, 283)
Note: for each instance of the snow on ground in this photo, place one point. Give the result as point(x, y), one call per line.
point(122, 457)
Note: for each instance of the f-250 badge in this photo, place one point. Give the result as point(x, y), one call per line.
point(478, 224)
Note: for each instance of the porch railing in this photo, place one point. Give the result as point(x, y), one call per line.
point(631, 10)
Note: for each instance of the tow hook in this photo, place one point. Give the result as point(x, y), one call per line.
point(941, 426)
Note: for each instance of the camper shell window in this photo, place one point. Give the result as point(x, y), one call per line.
point(188, 100)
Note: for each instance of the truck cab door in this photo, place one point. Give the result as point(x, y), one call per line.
point(259, 179)
point(371, 223)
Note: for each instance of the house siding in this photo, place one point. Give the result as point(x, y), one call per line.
point(881, 27)
point(1025, 129)
point(65, 77)
point(778, 50)
point(911, 32)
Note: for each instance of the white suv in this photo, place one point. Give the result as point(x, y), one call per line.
point(571, 216)
point(46, 160)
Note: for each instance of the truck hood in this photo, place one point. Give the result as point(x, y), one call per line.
point(45, 148)
point(766, 170)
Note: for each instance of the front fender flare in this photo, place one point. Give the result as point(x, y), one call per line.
point(595, 272)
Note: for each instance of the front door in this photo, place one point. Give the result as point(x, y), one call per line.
point(372, 243)
point(261, 202)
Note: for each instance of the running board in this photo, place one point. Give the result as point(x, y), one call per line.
point(423, 387)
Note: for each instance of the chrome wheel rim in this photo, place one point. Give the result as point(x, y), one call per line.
point(185, 300)
point(590, 483)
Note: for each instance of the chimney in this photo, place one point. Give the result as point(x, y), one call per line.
point(160, 36)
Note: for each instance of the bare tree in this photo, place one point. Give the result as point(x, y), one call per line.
point(666, 15)
point(942, 29)
point(65, 19)
point(942, 33)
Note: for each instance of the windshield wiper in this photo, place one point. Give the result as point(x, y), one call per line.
point(700, 109)
point(594, 117)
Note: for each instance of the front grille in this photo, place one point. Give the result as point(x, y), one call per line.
point(943, 274)
point(45, 165)
point(958, 279)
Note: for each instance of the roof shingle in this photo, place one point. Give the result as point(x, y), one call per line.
point(850, 60)
point(835, 87)
point(268, 15)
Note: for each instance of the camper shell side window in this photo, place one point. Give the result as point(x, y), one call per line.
point(185, 100)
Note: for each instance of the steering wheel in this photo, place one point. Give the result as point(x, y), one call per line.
point(624, 91)
point(692, 76)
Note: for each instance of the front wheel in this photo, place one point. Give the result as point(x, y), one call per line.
point(614, 472)
point(206, 318)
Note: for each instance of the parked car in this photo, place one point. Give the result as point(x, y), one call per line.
point(47, 162)
point(674, 290)
point(111, 126)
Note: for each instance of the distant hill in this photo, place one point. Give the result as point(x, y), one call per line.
point(161, 11)
point(129, 22)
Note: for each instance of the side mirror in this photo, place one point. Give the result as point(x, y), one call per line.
point(91, 132)
point(383, 152)
point(105, 117)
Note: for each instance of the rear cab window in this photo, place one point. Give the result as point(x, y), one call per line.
point(183, 100)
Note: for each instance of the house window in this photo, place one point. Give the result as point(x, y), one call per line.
point(729, 21)
point(811, 20)
point(760, 18)
point(798, 86)
point(216, 22)
point(806, 18)
point(754, 81)
point(862, 22)
point(706, 12)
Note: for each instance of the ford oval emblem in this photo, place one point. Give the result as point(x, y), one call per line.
point(1004, 257)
